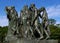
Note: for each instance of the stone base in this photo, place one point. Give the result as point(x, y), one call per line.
point(33, 41)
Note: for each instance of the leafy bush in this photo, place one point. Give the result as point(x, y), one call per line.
point(55, 32)
point(3, 32)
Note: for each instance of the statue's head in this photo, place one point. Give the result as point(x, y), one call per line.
point(25, 7)
point(21, 12)
point(42, 8)
point(10, 9)
point(32, 7)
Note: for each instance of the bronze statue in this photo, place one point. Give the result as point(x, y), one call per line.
point(28, 24)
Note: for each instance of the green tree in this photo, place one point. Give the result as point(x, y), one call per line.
point(3, 32)
point(55, 32)
point(52, 21)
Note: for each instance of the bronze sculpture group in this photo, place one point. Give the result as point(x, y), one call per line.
point(28, 25)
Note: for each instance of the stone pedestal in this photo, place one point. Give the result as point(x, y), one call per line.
point(33, 41)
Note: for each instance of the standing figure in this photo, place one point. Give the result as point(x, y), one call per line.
point(45, 23)
point(37, 14)
point(25, 21)
point(13, 23)
point(34, 13)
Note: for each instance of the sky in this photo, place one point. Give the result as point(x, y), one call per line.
point(52, 8)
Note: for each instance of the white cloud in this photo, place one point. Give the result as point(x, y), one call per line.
point(58, 22)
point(3, 21)
point(54, 12)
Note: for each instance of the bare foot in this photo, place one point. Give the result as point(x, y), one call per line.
point(47, 37)
point(40, 38)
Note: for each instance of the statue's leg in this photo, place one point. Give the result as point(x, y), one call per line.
point(31, 32)
point(24, 28)
point(41, 29)
point(41, 35)
point(24, 32)
point(27, 32)
point(48, 30)
point(21, 31)
point(46, 33)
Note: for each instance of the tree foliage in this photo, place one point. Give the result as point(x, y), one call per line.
point(55, 32)
point(3, 32)
point(52, 21)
